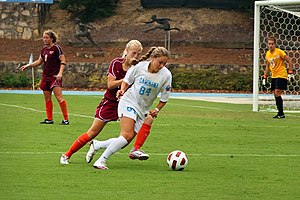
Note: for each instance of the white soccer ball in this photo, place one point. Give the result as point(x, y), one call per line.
point(177, 160)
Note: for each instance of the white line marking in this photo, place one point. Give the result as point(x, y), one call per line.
point(222, 125)
point(160, 154)
point(205, 107)
point(92, 117)
point(35, 110)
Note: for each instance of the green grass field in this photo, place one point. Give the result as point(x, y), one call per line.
point(233, 153)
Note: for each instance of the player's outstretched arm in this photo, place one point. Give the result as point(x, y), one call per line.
point(34, 64)
point(156, 110)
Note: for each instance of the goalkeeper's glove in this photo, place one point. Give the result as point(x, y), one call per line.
point(291, 77)
point(264, 81)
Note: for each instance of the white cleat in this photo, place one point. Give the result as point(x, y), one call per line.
point(100, 166)
point(90, 154)
point(138, 154)
point(64, 160)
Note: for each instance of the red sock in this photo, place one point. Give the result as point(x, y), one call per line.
point(78, 144)
point(49, 110)
point(64, 109)
point(142, 136)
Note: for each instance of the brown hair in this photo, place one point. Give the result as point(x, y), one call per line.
point(272, 38)
point(155, 52)
point(52, 35)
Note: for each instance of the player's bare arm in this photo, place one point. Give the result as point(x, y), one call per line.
point(34, 64)
point(124, 87)
point(156, 110)
point(289, 61)
point(112, 83)
point(267, 69)
point(63, 63)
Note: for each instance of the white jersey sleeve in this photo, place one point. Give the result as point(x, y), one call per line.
point(166, 88)
point(129, 77)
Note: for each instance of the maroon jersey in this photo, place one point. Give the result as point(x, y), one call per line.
point(116, 70)
point(51, 60)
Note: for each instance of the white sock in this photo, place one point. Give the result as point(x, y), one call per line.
point(102, 144)
point(115, 146)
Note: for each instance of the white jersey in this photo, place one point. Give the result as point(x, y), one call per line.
point(145, 87)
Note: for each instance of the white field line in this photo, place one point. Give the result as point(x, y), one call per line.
point(78, 115)
point(161, 154)
point(205, 107)
point(231, 110)
point(223, 125)
point(92, 117)
point(35, 110)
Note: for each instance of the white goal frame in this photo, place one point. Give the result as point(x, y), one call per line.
point(277, 4)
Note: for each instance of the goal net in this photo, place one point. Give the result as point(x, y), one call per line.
point(281, 19)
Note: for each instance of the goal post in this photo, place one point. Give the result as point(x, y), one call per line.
point(281, 19)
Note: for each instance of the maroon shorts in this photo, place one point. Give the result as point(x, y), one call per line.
point(48, 83)
point(107, 110)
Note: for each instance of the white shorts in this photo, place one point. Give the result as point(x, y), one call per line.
point(127, 111)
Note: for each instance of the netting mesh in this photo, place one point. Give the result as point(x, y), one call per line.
point(285, 26)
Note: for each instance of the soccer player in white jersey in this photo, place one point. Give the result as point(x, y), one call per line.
point(147, 79)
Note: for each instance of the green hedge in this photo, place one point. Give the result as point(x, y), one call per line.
point(183, 79)
point(14, 80)
point(211, 79)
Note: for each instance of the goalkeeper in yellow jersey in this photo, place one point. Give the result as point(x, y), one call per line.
point(275, 58)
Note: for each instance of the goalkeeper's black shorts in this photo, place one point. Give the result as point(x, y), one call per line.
point(279, 83)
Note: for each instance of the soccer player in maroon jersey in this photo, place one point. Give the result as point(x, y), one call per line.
point(53, 58)
point(107, 109)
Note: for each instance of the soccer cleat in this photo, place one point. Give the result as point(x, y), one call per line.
point(47, 121)
point(64, 160)
point(90, 154)
point(279, 116)
point(138, 154)
point(65, 122)
point(100, 166)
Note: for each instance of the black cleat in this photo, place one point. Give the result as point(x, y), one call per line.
point(47, 121)
point(279, 116)
point(65, 122)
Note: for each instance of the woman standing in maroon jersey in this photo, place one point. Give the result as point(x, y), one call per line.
point(53, 58)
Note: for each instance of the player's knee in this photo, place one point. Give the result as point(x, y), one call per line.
point(128, 136)
point(277, 93)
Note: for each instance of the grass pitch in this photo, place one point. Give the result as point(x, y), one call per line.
point(233, 153)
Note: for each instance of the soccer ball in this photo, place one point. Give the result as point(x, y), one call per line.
point(177, 160)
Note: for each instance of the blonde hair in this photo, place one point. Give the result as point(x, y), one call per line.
point(156, 52)
point(52, 35)
point(130, 44)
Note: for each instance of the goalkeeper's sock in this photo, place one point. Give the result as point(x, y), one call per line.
point(142, 136)
point(115, 146)
point(49, 110)
point(78, 144)
point(279, 104)
point(64, 109)
point(102, 144)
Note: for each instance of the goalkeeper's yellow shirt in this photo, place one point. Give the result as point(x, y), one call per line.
point(276, 63)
